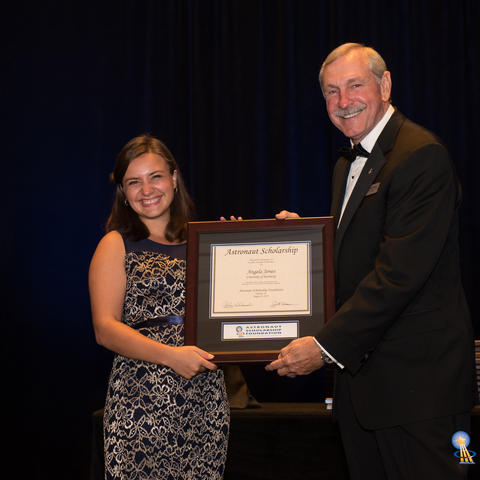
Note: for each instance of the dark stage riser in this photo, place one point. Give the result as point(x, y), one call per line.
point(280, 441)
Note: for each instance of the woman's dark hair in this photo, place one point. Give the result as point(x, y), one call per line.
point(123, 218)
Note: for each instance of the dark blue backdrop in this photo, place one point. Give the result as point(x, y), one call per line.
point(231, 86)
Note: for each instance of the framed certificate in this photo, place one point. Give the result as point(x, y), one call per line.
point(255, 285)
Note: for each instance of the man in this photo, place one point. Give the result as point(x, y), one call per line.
point(401, 337)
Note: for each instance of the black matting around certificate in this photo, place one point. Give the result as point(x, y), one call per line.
point(206, 332)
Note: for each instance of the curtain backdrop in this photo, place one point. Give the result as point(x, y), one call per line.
point(231, 87)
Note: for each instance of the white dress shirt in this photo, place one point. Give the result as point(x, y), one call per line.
point(357, 165)
point(355, 170)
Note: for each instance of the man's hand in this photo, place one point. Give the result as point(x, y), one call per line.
point(300, 357)
point(286, 214)
point(279, 216)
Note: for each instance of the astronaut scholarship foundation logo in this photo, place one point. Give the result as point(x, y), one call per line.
point(461, 440)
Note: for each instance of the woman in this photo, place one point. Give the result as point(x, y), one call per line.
point(166, 412)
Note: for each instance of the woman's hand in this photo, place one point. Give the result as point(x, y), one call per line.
point(232, 218)
point(188, 361)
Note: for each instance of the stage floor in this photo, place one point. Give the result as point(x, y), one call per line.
point(279, 441)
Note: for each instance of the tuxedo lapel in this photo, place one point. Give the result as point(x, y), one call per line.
point(339, 179)
point(372, 167)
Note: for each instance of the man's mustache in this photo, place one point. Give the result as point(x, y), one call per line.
point(349, 111)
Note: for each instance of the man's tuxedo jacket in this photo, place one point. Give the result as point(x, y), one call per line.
point(402, 327)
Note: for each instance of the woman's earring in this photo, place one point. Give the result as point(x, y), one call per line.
point(126, 202)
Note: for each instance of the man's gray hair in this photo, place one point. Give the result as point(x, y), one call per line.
point(376, 62)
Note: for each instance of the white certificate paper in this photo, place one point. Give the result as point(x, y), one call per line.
point(260, 279)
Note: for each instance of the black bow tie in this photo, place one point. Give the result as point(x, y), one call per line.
point(351, 153)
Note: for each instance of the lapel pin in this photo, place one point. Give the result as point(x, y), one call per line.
point(370, 171)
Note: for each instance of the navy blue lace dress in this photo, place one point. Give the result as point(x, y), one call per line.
point(157, 424)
